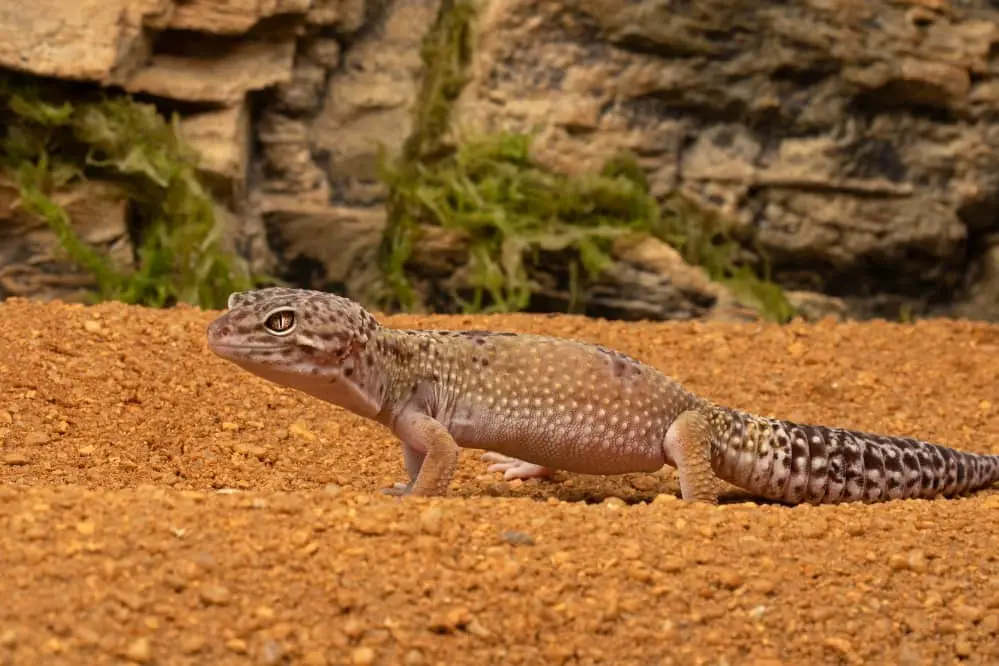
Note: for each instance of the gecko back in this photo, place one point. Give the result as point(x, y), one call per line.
point(572, 405)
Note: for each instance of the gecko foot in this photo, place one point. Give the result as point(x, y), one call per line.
point(514, 468)
point(398, 489)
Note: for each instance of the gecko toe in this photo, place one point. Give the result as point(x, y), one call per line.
point(514, 468)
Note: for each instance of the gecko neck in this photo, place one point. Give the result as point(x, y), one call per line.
point(361, 383)
point(379, 379)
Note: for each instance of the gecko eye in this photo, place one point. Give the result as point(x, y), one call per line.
point(280, 322)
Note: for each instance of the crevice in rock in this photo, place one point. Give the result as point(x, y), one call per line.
point(806, 74)
point(912, 98)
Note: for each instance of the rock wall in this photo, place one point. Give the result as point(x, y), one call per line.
point(856, 142)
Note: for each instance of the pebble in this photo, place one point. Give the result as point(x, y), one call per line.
point(86, 637)
point(968, 613)
point(353, 628)
point(614, 503)
point(36, 438)
point(962, 647)
point(236, 645)
point(816, 528)
point(856, 529)
point(430, 520)
point(762, 586)
point(299, 430)
point(917, 561)
point(192, 644)
point(898, 562)
point(644, 482)
point(16, 459)
point(840, 645)
point(139, 651)
point(216, 595)
point(369, 525)
point(914, 561)
point(314, 658)
point(414, 658)
point(730, 579)
point(363, 656)
point(672, 564)
point(272, 652)
point(515, 538)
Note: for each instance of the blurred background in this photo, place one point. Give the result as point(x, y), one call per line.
point(651, 159)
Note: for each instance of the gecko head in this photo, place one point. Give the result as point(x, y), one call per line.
point(309, 340)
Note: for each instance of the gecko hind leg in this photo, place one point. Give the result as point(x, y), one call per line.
point(515, 468)
point(688, 444)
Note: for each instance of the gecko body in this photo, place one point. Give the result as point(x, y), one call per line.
point(538, 404)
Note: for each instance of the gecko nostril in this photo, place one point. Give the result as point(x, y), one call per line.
point(217, 330)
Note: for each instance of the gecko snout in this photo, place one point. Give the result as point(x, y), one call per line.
point(218, 330)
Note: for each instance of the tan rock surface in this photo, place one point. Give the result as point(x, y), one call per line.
point(865, 158)
point(222, 140)
point(88, 40)
point(33, 262)
point(119, 430)
point(230, 16)
point(342, 240)
point(368, 101)
point(223, 77)
point(346, 15)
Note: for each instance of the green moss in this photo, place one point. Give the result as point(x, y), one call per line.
point(491, 190)
point(50, 142)
point(446, 51)
point(705, 239)
point(512, 209)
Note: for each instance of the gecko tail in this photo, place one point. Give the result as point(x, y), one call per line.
point(992, 462)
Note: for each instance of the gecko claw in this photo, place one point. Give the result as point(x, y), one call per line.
point(514, 468)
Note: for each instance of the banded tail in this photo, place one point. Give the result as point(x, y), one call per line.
point(797, 463)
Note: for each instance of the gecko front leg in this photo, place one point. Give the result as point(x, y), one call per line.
point(430, 453)
point(413, 460)
point(515, 468)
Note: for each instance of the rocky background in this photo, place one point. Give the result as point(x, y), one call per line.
point(854, 142)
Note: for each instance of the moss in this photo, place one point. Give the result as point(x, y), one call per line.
point(50, 142)
point(446, 51)
point(512, 209)
point(705, 239)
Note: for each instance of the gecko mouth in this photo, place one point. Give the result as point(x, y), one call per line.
point(223, 347)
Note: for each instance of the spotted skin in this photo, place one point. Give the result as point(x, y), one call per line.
point(797, 463)
point(539, 404)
